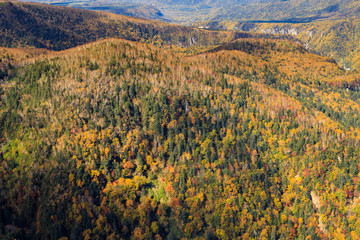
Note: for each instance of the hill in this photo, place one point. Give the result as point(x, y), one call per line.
point(246, 135)
point(337, 38)
point(59, 28)
point(257, 138)
point(289, 11)
point(321, 25)
point(189, 11)
point(147, 11)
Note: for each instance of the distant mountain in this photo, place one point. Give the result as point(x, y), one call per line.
point(58, 28)
point(319, 24)
point(257, 10)
point(189, 11)
point(290, 11)
point(53, 27)
point(143, 11)
point(47, 27)
point(338, 39)
point(147, 11)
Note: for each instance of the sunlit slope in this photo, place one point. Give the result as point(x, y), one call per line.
point(44, 26)
point(338, 39)
point(124, 140)
point(292, 10)
point(57, 28)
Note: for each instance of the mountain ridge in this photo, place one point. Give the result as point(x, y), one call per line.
point(58, 28)
point(314, 31)
point(273, 10)
point(337, 38)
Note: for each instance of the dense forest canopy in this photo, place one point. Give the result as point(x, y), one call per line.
point(171, 132)
point(335, 35)
point(257, 139)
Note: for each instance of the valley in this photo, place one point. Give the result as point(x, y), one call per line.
point(329, 28)
point(337, 39)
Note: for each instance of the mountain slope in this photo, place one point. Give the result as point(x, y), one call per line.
point(189, 11)
point(337, 39)
point(129, 9)
point(58, 28)
point(266, 10)
point(120, 139)
point(290, 11)
point(251, 137)
point(59, 32)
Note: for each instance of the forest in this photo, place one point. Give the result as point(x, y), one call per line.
point(31, 25)
point(333, 38)
point(114, 127)
point(255, 139)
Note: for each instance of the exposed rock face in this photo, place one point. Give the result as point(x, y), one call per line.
point(192, 41)
point(276, 30)
point(310, 33)
point(316, 201)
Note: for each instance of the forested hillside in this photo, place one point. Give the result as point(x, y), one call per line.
point(288, 10)
point(139, 129)
point(115, 139)
point(189, 11)
point(59, 28)
point(338, 39)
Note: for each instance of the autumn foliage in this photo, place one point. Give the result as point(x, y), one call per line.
point(115, 139)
